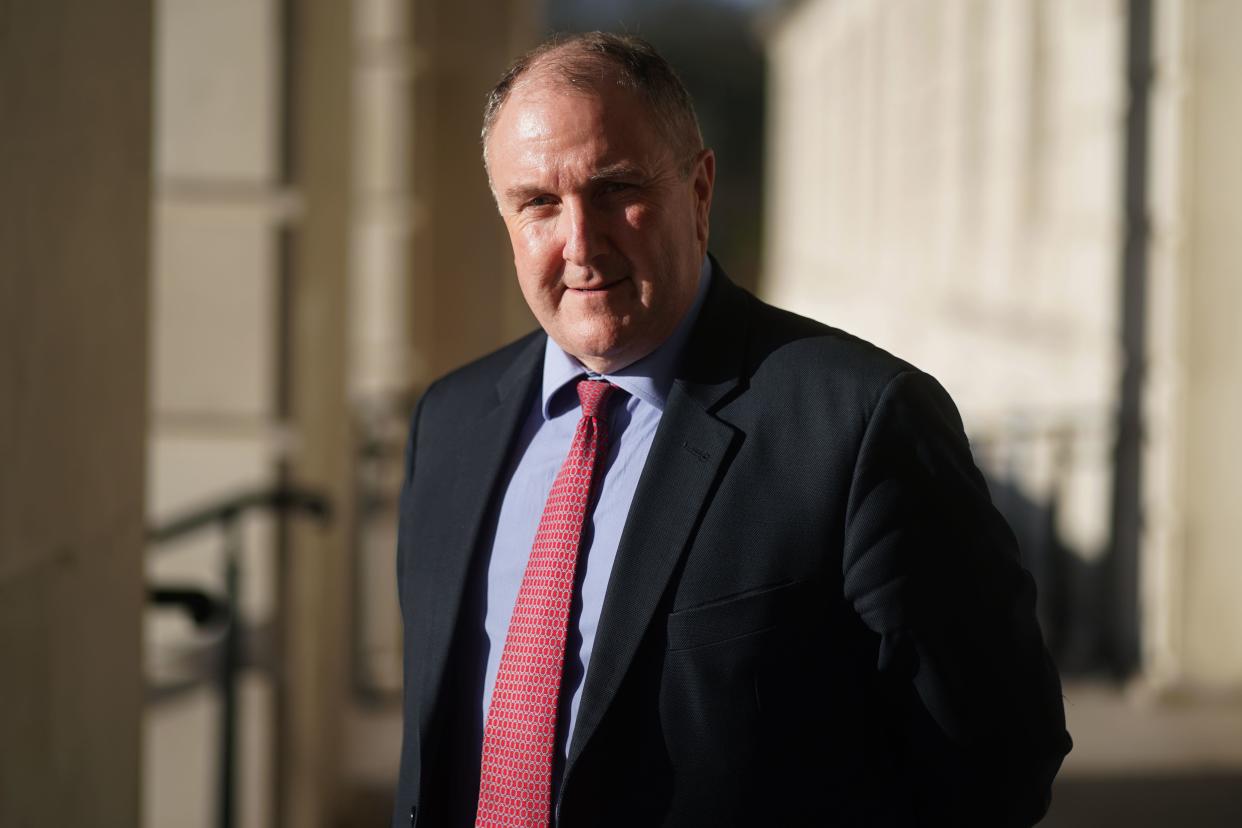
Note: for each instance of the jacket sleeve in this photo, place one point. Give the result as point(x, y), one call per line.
point(407, 478)
point(406, 796)
point(932, 569)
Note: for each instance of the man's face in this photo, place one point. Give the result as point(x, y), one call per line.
point(608, 232)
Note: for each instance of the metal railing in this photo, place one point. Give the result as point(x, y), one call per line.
point(221, 613)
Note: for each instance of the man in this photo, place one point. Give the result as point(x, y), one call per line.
point(746, 575)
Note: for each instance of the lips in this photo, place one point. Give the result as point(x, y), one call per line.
point(596, 288)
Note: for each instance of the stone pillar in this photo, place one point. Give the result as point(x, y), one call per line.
point(431, 286)
point(75, 124)
point(1190, 563)
point(464, 295)
point(316, 581)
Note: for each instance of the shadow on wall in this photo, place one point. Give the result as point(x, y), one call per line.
point(1076, 596)
point(1074, 593)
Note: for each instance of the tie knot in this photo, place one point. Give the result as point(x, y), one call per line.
point(593, 394)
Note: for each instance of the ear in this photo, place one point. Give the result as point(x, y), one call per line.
point(703, 180)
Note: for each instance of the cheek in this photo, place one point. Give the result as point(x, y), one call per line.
point(537, 262)
point(534, 249)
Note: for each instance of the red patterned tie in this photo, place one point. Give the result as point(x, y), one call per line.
point(516, 780)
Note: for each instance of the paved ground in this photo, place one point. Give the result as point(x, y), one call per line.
point(1142, 760)
point(1194, 801)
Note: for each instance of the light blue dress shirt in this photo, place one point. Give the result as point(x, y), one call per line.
point(634, 413)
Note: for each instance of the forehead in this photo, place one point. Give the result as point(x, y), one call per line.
point(546, 121)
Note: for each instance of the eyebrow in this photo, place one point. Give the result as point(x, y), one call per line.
point(621, 169)
point(522, 192)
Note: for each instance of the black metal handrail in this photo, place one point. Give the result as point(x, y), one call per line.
point(205, 609)
point(279, 499)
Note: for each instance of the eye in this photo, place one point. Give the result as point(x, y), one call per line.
point(613, 187)
point(539, 201)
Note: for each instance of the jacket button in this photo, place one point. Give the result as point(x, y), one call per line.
point(413, 815)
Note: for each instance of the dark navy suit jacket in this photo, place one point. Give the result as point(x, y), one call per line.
point(816, 616)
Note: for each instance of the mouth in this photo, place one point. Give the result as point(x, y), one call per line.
point(594, 289)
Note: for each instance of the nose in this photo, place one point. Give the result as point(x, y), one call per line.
point(583, 233)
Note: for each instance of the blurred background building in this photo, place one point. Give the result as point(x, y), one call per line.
point(238, 237)
point(1036, 201)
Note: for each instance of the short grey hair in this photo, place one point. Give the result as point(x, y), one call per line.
point(588, 59)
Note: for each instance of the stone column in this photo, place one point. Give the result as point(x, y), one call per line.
point(1192, 621)
point(75, 125)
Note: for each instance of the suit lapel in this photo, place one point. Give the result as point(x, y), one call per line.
point(688, 455)
point(482, 450)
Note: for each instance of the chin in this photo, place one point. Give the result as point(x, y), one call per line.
point(596, 355)
point(596, 341)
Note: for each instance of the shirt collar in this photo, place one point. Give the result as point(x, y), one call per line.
point(649, 379)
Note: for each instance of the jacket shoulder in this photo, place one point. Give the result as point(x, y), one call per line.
point(786, 349)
